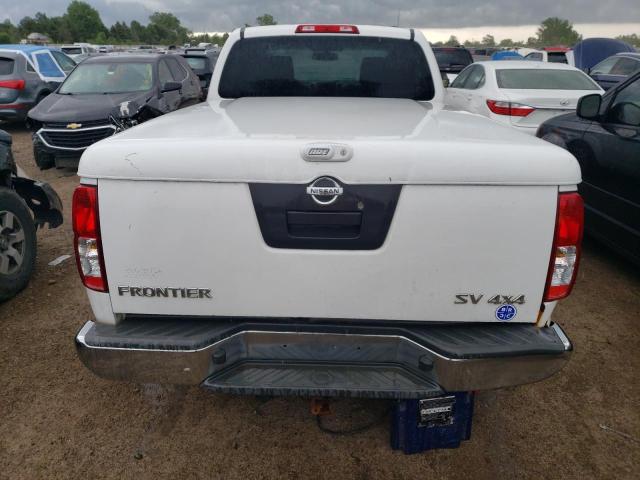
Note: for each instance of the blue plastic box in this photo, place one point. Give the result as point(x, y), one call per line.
point(440, 422)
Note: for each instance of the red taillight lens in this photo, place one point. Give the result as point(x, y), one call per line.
point(13, 84)
point(565, 254)
point(327, 29)
point(87, 241)
point(509, 108)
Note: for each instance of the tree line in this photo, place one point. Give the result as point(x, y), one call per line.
point(82, 23)
point(552, 31)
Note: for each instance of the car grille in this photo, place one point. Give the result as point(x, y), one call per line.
point(85, 124)
point(81, 138)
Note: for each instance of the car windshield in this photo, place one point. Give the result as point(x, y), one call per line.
point(447, 57)
point(544, 79)
point(197, 63)
point(72, 50)
point(109, 78)
point(326, 66)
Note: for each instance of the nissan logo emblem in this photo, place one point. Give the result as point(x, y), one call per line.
point(324, 190)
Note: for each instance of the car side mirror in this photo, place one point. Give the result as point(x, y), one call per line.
point(589, 106)
point(171, 87)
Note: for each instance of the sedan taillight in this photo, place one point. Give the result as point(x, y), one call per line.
point(565, 253)
point(87, 241)
point(510, 109)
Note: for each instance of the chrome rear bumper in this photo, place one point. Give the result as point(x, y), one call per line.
point(326, 360)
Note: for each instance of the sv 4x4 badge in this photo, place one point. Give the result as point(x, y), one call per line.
point(473, 299)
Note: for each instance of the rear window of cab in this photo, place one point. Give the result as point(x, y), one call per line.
point(326, 66)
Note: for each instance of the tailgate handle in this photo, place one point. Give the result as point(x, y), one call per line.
point(324, 224)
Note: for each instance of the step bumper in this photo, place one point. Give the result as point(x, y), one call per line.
point(322, 359)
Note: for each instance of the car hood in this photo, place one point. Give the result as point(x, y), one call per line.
point(84, 107)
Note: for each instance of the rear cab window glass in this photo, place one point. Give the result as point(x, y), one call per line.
point(536, 56)
point(557, 57)
point(6, 66)
point(544, 79)
point(326, 66)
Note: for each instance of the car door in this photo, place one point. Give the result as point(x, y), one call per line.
point(472, 96)
point(170, 100)
point(188, 92)
point(456, 92)
point(611, 179)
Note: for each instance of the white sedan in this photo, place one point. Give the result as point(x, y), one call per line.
point(521, 94)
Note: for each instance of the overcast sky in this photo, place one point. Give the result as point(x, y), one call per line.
point(619, 16)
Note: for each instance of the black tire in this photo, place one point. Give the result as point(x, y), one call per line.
point(45, 161)
point(17, 244)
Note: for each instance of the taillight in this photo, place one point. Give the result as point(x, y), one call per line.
point(327, 29)
point(565, 254)
point(13, 84)
point(509, 108)
point(87, 241)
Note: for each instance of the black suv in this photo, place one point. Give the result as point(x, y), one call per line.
point(604, 135)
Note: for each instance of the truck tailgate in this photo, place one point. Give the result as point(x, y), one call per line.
point(451, 253)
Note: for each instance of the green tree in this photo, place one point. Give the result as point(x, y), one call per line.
point(166, 28)
point(266, 19)
point(632, 39)
point(489, 41)
point(83, 21)
point(9, 32)
point(452, 42)
point(557, 31)
point(506, 42)
point(138, 32)
point(120, 32)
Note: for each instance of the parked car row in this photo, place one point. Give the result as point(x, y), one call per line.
point(541, 98)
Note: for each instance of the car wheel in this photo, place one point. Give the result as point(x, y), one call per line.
point(17, 244)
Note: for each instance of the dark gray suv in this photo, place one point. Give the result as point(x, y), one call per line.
point(21, 86)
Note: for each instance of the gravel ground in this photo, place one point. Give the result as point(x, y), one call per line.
point(60, 421)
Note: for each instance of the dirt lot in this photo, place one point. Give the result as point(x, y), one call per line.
point(60, 421)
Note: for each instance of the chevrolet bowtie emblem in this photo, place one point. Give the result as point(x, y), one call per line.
point(73, 126)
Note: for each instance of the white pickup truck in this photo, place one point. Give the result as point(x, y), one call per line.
point(322, 226)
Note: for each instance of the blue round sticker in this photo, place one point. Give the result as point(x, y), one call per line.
point(506, 312)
